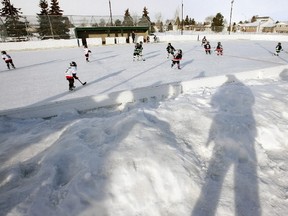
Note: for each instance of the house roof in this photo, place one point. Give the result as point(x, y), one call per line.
point(259, 23)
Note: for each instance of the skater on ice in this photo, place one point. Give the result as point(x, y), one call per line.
point(278, 49)
point(8, 60)
point(138, 52)
point(177, 58)
point(170, 50)
point(204, 40)
point(86, 53)
point(71, 74)
point(207, 48)
point(219, 49)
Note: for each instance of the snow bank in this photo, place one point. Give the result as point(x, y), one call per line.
point(44, 44)
point(221, 37)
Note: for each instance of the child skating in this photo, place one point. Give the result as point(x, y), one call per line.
point(137, 55)
point(8, 60)
point(170, 50)
point(207, 48)
point(86, 53)
point(219, 49)
point(71, 74)
point(278, 49)
point(177, 58)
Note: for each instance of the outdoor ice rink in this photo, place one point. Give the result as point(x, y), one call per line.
point(39, 77)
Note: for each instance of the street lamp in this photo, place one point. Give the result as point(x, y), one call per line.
point(230, 25)
point(110, 13)
point(182, 23)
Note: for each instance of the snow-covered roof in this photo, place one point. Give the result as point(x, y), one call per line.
point(259, 23)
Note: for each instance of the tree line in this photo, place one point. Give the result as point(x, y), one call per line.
point(52, 23)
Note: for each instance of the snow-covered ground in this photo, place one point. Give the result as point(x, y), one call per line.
point(214, 150)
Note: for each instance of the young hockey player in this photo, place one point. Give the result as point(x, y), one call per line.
point(177, 58)
point(86, 53)
point(138, 51)
point(71, 74)
point(207, 48)
point(219, 49)
point(170, 50)
point(204, 40)
point(8, 60)
point(278, 49)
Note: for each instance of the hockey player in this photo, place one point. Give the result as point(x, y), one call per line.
point(86, 53)
point(204, 40)
point(177, 58)
point(138, 51)
point(170, 50)
point(8, 60)
point(71, 74)
point(207, 48)
point(278, 49)
point(219, 49)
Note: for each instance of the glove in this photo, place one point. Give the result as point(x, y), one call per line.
point(75, 77)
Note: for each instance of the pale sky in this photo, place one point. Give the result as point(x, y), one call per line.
point(197, 9)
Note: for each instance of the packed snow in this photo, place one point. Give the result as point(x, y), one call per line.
point(219, 149)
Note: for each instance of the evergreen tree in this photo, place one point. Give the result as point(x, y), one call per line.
point(14, 27)
point(217, 24)
point(192, 22)
point(178, 22)
point(45, 27)
point(186, 21)
point(117, 22)
point(254, 18)
point(60, 25)
point(145, 19)
point(128, 20)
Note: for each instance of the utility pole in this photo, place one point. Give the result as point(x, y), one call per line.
point(182, 22)
point(230, 24)
point(110, 13)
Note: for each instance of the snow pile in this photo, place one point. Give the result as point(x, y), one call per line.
point(203, 153)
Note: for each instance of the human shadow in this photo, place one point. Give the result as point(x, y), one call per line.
point(233, 133)
point(185, 63)
point(103, 58)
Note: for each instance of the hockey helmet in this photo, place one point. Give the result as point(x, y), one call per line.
point(3, 52)
point(73, 64)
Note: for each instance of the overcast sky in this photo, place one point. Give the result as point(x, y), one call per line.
point(197, 9)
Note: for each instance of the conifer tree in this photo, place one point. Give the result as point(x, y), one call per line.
point(45, 27)
point(217, 24)
point(14, 27)
point(128, 20)
point(60, 24)
point(145, 19)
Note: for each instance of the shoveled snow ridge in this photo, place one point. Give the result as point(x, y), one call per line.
point(137, 95)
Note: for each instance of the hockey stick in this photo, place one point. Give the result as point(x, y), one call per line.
point(81, 82)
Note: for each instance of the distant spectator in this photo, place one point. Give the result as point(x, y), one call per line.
point(133, 36)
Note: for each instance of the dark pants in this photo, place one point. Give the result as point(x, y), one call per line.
point(176, 62)
point(71, 83)
point(8, 62)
